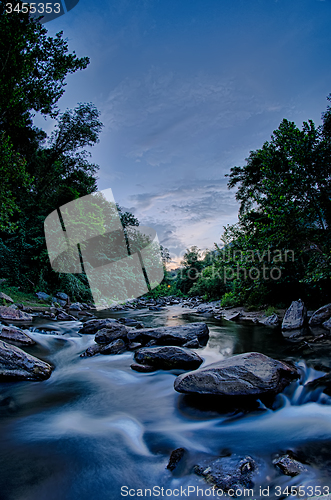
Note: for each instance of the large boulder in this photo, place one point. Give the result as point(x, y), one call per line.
point(93, 325)
point(229, 473)
point(168, 357)
point(14, 334)
point(112, 332)
point(320, 316)
point(172, 335)
point(249, 374)
point(295, 316)
point(10, 314)
point(17, 364)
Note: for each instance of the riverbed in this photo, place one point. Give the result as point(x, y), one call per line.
point(96, 426)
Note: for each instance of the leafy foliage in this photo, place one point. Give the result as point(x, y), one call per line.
point(13, 173)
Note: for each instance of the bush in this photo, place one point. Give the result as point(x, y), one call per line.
point(270, 311)
point(229, 299)
point(208, 284)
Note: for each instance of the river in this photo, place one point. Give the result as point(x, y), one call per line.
point(96, 425)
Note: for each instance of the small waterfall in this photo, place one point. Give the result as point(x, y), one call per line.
point(299, 392)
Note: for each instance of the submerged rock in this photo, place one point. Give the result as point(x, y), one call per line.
point(321, 315)
point(249, 374)
point(295, 316)
point(227, 473)
point(143, 368)
point(11, 333)
point(15, 363)
point(10, 314)
point(168, 357)
point(322, 382)
point(172, 335)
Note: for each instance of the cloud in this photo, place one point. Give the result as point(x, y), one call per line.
point(192, 213)
point(161, 117)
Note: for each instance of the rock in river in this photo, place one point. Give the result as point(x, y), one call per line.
point(272, 320)
point(321, 315)
point(143, 368)
point(15, 363)
point(295, 316)
point(12, 333)
point(249, 374)
point(9, 314)
point(93, 325)
point(289, 465)
point(168, 357)
point(172, 335)
point(115, 347)
point(229, 473)
point(112, 332)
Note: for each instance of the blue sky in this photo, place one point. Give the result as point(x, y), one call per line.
point(186, 89)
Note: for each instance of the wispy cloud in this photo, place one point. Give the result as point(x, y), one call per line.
point(197, 209)
point(163, 117)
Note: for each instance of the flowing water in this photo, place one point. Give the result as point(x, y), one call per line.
point(96, 425)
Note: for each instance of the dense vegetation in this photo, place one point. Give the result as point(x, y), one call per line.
point(40, 173)
point(279, 249)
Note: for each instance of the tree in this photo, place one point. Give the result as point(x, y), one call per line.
point(61, 170)
point(190, 270)
point(12, 172)
point(284, 193)
point(287, 177)
point(33, 71)
point(32, 79)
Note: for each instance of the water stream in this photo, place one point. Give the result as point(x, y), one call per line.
point(96, 425)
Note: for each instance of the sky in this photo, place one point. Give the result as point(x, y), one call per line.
point(186, 89)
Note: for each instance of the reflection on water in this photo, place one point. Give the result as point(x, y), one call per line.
point(96, 425)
